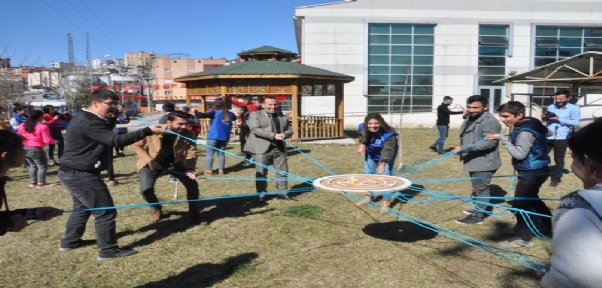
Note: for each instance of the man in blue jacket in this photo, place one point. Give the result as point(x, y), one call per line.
point(561, 117)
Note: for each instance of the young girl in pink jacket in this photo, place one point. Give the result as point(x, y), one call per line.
point(35, 136)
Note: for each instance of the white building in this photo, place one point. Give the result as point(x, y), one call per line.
point(418, 51)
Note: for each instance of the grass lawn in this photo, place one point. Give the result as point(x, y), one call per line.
point(322, 240)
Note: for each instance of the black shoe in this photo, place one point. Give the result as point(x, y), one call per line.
point(554, 183)
point(433, 148)
point(117, 254)
point(286, 197)
point(470, 219)
point(245, 163)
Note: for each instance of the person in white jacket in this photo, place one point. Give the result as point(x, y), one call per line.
point(577, 222)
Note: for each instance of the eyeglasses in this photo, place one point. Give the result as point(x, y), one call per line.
point(112, 103)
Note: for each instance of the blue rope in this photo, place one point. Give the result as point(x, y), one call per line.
point(439, 180)
point(444, 156)
point(227, 178)
point(310, 158)
point(305, 180)
point(406, 167)
point(277, 192)
point(482, 245)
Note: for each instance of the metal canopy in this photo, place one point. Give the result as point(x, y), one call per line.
point(584, 70)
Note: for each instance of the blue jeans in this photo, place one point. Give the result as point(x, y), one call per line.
point(38, 164)
point(442, 136)
point(219, 144)
point(370, 167)
point(89, 191)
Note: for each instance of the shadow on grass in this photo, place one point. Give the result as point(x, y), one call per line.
point(399, 231)
point(208, 274)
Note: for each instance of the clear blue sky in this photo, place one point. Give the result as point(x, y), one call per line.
point(35, 31)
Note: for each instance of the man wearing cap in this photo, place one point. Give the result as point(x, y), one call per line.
point(443, 113)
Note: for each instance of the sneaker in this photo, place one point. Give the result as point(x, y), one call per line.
point(32, 185)
point(117, 254)
point(469, 212)
point(44, 185)
point(433, 148)
point(172, 179)
point(208, 173)
point(470, 219)
point(113, 182)
point(155, 216)
point(516, 243)
point(120, 154)
point(221, 172)
point(261, 201)
point(197, 220)
point(245, 163)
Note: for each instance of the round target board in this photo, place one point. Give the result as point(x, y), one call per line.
point(362, 183)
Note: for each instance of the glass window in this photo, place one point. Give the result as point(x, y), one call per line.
point(492, 30)
point(424, 29)
point(380, 49)
point(378, 79)
point(493, 41)
point(401, 50)
point(379, 28)
point(548, 52)
point(571, 31)
point(570, 42)
point(403, 69)
point(422, 39)
point(423, 50)
point(546, 31)
point(378, 59)
point(492, 51)
point(375, 70)
point(593, 42)
point(592, 32)
point(546, 42)
point(380, 39)
point(492, 61)
point(401, 39)
point(400, 56)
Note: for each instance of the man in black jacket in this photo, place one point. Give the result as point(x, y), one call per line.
point(89, 144)
point(443, 113)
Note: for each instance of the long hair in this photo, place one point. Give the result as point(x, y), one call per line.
point(383, 124)
point(30, 123)
point(220, 104)
point(10, 143)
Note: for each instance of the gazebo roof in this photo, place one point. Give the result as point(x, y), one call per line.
point(266, 49)
point(583, 70)
point(266, 69)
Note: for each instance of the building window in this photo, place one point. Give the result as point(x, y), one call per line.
point(554, 43)
point(167, 69)
point(400, 73)
point(168, 81)
point(493, 45)
point(175, 61)
point(190, 69)
point(287, 104)
point(168, 92)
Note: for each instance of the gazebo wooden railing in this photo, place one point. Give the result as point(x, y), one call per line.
point(310, 128)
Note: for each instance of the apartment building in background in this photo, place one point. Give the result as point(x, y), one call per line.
point(141, 58)
point(166, 69)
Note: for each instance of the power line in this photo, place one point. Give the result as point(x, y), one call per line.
point(80, 29)
point(86, 17)
point(93, 14)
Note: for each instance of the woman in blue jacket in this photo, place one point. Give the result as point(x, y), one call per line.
point(219, 133)
point(379, 146)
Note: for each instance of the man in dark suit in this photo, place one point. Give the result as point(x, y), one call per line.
point(268, 128)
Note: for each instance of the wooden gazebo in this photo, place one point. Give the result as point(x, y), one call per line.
point(269, 71)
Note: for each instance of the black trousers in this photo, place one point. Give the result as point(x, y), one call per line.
point(148, 177)
point(528, 185)
point(559, 147)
